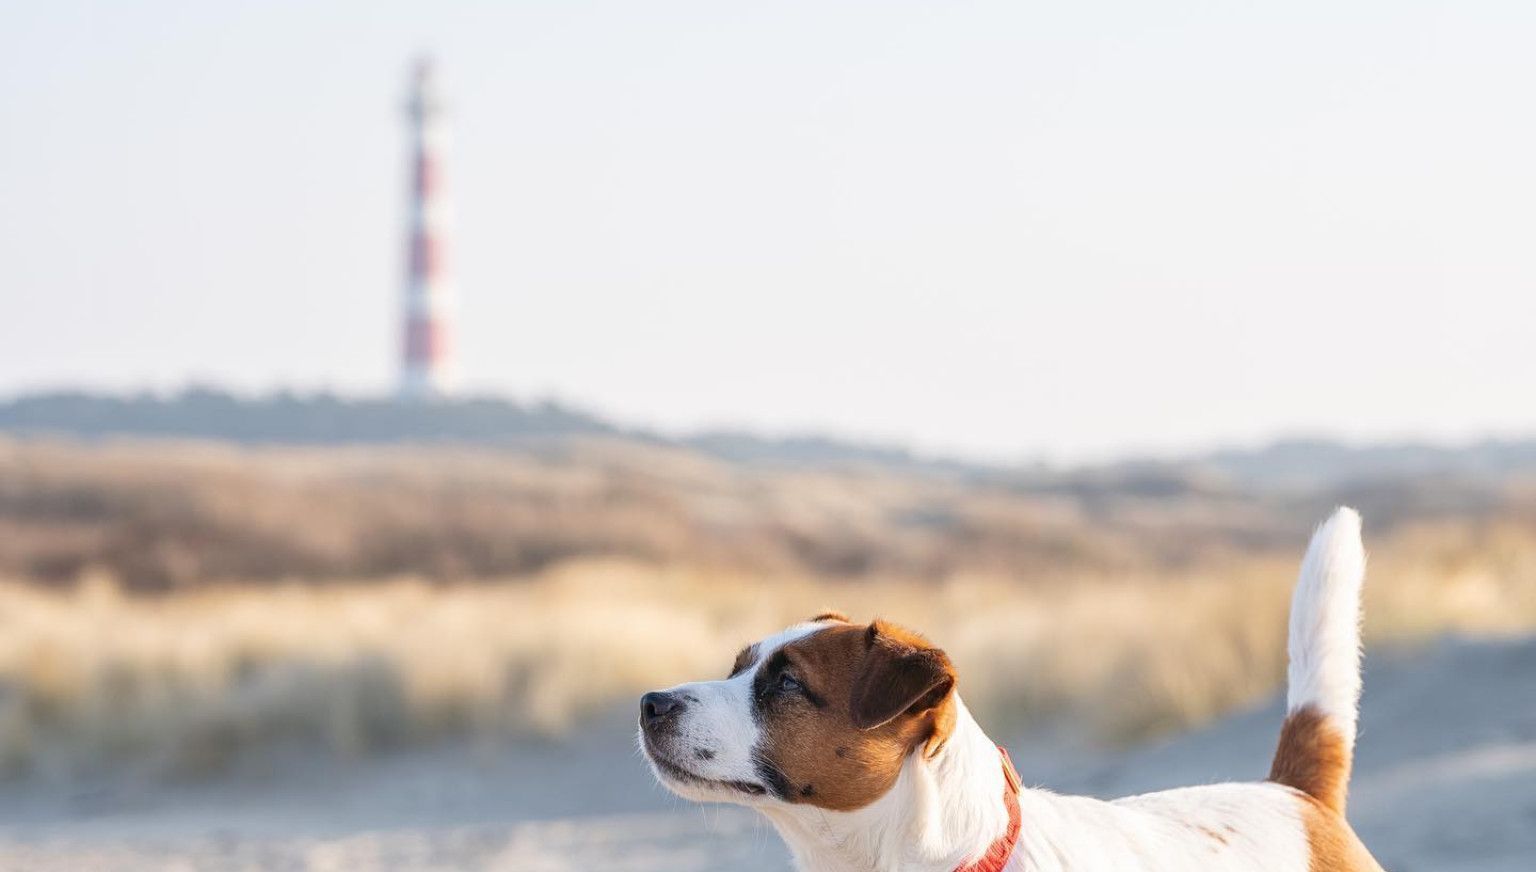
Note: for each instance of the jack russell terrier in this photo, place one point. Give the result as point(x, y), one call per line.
point(853, 741)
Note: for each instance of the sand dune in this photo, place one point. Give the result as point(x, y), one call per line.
point(1446, 781)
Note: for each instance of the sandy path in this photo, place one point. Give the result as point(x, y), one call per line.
point(1446, 781)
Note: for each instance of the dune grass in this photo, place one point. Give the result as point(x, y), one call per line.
point(173, 607)
point(184, 683)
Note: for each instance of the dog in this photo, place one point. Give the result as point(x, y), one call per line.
point(853, 741)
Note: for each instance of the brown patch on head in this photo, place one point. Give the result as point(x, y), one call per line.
point(830, 616)
point(860, 700)
point(1313, 758)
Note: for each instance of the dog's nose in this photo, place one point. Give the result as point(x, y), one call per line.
point(656, 707)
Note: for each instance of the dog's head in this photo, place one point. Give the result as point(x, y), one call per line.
point(823, 713)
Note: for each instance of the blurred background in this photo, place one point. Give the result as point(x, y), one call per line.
point(390, 394)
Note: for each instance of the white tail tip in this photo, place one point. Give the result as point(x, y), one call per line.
point(1325, 624)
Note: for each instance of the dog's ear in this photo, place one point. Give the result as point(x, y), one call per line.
point(830, 615)
point(901, 674)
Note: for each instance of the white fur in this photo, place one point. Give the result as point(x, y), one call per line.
point(719, 720)
point(1215, 828)
point(1325, 624)
point(945, 812)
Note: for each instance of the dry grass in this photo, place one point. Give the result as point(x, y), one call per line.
point(184, 683)
point(163, 517)
point(172, 607)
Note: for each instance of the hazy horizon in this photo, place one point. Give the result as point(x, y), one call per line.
point(977, 230)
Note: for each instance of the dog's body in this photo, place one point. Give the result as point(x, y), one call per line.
point(852, 740)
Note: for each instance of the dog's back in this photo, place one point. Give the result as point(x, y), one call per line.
point(1293, 821)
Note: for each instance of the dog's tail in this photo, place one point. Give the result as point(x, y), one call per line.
point(1317, 742)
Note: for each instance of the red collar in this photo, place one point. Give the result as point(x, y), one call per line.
point(999, 851)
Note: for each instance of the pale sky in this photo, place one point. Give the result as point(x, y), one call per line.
point(1001, 229)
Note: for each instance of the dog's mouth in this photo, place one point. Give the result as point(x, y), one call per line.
point(672, 772)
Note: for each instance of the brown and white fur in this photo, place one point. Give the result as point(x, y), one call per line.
point(853, 741)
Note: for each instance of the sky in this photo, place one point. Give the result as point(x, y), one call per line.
point(1002, 230)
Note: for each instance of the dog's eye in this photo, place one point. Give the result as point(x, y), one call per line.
point(788, 684)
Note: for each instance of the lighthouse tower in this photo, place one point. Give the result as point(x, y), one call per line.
point(427, 367)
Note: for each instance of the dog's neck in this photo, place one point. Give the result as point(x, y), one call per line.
point(941, 813)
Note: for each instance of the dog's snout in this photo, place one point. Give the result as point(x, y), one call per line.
point(656, 707)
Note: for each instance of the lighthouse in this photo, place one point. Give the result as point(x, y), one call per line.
point(427, 354)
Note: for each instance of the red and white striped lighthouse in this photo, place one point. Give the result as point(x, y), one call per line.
point(427, 365)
